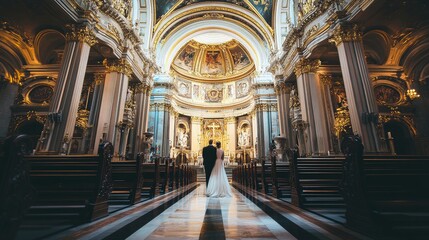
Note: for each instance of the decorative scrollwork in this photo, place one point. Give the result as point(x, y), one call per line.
point(81, 34)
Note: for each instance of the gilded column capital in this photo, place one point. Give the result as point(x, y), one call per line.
point(120, 66)
point(99, 78)
point(196, 119)
point(287, 88)
point(346, 33)
point(141, 88)
point(81, 34)
point(326, 79)
point(230, 120)
point(306, 66)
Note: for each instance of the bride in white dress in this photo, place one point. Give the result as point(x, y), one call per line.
point(218, 184)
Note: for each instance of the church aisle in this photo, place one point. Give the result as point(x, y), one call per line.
point(199, 217)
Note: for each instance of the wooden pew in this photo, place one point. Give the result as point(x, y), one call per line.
point(386, 195)
point(127, 181)
point(319, 180)
point(164, 175)
point(15, 188)
point(150, 185)
point(72, 185)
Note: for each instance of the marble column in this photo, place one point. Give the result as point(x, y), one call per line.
point(266, 120)
point(172, 131)
point(65, 102)
point(196, 136)
point(113, 102)
point(327, 82)
point(95, 109)
point(231, 129)
point(360, 96)
point(280, 106)
point(160, 123)
point(312, 109)
point(140, 121)
point(284, 113)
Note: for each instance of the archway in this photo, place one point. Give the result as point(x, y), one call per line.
point(402, 138)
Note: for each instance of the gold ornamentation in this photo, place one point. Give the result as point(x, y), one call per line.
point(326, 79)
point(81, 34)
point(160, 107)
point(306, 66)
point(141, 88)
point(99, 78)
point(161, 27)
point(346, 33)
point(342, 123)
point(13, 78)
point(196, 119)
point(294, 99)
point(82, 119)
point(120, 66)
point(16, 30)
point(214, 15)
point(230, 120)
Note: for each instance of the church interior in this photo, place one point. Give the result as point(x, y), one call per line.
point(320, 106)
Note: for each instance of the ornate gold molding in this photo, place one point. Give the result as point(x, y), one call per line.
point(326, 79)
point(161, 27)
point(346, 33)
point(99, 78)
point(306, 66)
point(120, 66)
point(196, 119)
point(160, 107)
point(266, 107)
point(230, 120)
point(81, 34)
point(141, 88)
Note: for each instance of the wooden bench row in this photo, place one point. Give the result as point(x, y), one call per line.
point(79, 187)
point(376, 194)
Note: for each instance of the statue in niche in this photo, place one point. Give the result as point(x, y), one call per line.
point(182, 137)
point(244, 137)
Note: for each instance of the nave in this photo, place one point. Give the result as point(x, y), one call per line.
point(199, 217)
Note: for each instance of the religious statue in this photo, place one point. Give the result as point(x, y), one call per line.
point(182, 138)
point(244, 137)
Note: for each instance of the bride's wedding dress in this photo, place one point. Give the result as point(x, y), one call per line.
point(218, 184)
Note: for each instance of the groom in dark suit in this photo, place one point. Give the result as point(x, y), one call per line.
point(209, 159)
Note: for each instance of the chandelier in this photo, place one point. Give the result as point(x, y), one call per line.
point(412, 94)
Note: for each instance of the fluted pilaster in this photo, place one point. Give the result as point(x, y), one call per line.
point(312, 108)
point(65, 102)
point(361, 100)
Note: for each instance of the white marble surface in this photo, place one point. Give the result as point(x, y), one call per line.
point(184, 220)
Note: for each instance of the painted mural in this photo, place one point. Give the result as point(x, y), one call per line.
point(242, 88)
point(163, 6)
point(263, 7)
point(387, 95)
point(213, 63)
point(239, 57)
point(185, 59)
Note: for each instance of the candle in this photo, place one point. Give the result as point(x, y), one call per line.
point(389, 135)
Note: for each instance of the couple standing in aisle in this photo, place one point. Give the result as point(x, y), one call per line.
point(216, 179)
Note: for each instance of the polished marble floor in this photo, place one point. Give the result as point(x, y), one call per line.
point(199, 217)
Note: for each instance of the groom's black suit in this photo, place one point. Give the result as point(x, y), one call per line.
point(209, 159)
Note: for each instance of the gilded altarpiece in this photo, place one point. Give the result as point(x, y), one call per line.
point(215, 129)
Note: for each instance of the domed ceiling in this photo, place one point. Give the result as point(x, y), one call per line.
point(223, 62)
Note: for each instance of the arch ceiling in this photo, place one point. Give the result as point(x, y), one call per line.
point(262, 8)
point(237, 20)
point(207, 62)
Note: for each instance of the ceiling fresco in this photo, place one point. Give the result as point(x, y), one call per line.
point(218, 62)
point(262, 7)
